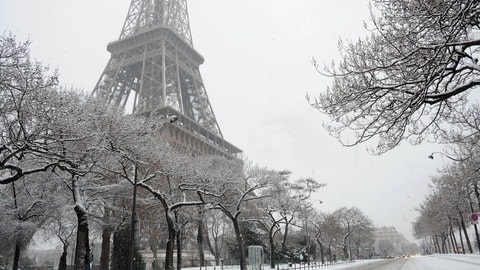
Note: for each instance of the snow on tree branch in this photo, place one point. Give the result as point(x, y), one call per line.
point(408, 78)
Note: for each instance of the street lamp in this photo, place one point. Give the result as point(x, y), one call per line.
point(134, 221)
point(447, 156)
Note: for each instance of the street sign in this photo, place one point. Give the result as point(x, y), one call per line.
point(473, 218)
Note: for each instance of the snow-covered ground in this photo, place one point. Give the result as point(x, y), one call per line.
point(431, 262)
point(445, 261)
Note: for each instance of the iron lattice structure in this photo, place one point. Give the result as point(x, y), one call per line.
point(154, 68)
point(170, 13)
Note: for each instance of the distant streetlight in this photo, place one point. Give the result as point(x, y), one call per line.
point(447, 156)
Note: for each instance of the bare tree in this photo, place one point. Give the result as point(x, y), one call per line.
point(175, 180)
point(317, 220)
point(331, 234)
point(274, 208)
point(305, 187)
point(234, 199)
point(53, 129)
point(410, 77)
point(28, 203)
point(209, 177)
point(295, 200)
point(63, 228)
point(217, 227)
point(24, 88)
point(352, 221)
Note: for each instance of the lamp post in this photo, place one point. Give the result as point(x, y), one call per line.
point(134, 221)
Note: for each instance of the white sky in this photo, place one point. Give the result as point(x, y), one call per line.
point(257, 71)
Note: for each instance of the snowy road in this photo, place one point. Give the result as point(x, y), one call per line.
point(433, 262)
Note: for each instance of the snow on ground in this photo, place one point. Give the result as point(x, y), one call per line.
point(449, 261)
point(431, 262)
point(344, 265)
point(338, 265)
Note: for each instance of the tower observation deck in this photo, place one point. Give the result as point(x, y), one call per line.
point(154, 68)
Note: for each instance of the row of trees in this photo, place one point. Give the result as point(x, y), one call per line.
point(69, 166)
point(454, 195)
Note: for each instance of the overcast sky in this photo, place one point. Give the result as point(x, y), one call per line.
point(257, 72)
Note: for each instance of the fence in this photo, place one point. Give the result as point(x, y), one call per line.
point(307, 266)
point(289, 266)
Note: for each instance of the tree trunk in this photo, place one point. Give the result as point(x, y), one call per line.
point(169, 249)
point(461, 238)
point(153, 242)
point(121, 247)
point(170, 241)
point(82, 249)
point(272, 250)
point(213, 250)
point(179, 249)
point(346, 249)
point(81, 259)
point(62, 265)
point(450, 243)
point(467, 239)
point(201, 253)
point(217, 252)
point(477, 236)
point(155, 258)
point(347, 245)
point(330, 253)
point(444, 244)
point(105, 253)
point(284, 240)
point(16, 257)
point(453, 241)
point(321, 251)
point(453, 238)
point(436, 244)
point(241, 245)
point(477, 193)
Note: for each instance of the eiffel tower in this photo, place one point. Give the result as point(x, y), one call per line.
point(154, 68)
